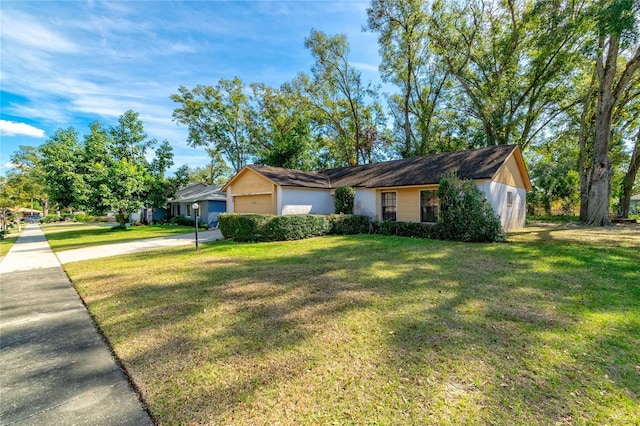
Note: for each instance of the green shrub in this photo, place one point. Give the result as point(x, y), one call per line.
point(349, 224)
point(465, 214)
point(255, 227)
point(407, 229)
point(67, 217)
point(344, 199)
point(50, 218)
point(482, 224)
point(242, 227)
point(81, 217)
point(186, 221)
point(295, 227)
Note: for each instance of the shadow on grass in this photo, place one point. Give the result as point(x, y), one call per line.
point(499, 333)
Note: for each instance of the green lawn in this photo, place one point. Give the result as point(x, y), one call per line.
point(6, 244)
point(72, 236)
point(365, 329)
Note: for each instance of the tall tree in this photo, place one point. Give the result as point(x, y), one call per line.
point(219, 117)
point(629, 181)
point(554, 176)
point(61, 161)
point(215, 172)
point(129, 140)
point(159, 188)
point(163, 159)
point(127, 192)
point(510, 59)
point(129, 176)
point(28, 167)
point(617, 25)
point(96, 161)
point(284, 128)
point(181, 177)
point(346, 107)
point(408, 62)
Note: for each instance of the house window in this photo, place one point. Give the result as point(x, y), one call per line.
point(388, 206)
point(188, 210)
point(429, 206)
point(509, 198)
point(177, 209)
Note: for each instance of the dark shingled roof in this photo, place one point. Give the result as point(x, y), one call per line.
point(480, 163)
point(291, 177)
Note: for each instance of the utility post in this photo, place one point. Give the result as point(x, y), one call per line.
point(195, 208)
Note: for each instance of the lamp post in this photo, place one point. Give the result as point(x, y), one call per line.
point(195, 208)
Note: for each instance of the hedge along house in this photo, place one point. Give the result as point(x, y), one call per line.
point(211, 200)
point(403, 190)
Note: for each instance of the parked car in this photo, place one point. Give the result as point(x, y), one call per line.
point(33, 219)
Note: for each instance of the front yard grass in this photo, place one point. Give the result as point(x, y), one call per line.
point(6, 243)
point(367, 329)
point(72, 236)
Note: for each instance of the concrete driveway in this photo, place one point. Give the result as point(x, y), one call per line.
point(108, 250)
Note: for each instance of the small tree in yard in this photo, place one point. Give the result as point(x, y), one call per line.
point(345, 197)
point(465, 214)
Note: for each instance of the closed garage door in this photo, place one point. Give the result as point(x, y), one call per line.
point(253, 204)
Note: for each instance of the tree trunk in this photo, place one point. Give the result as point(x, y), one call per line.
point(600, 185)
point(597, 211)
point(121, 218)
point(45, 206)
point(585, 160)
point(608, 95)
point(599, 191)
point(629, 179)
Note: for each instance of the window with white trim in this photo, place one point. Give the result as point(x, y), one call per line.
point(429, 206)
point(509, 198)
point(388, 205)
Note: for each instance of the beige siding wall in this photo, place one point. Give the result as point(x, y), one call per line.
point(262, 204)
point(252, 193)
point(509, 174)
point(251, 182)
point(407, 202)
point(408, 205)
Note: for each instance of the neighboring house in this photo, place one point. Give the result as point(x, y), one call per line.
point(403, 190)
point(27, 213)
point(211, 200)
point(148, 215)
point(634, 204)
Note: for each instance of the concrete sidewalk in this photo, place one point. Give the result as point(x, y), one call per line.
point(55, 368)
point(108, 250)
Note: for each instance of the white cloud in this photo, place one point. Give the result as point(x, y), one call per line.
point(26, 31)
point(7, 166)
point(365, 67)
point(11, 128)
point(47, 111)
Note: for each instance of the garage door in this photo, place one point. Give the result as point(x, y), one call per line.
point(253, 204)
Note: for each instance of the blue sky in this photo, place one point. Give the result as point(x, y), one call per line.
point(68, 63)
